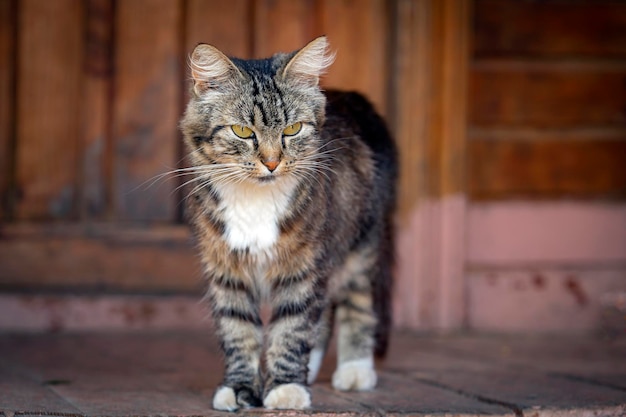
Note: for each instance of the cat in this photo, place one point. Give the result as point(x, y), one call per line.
point(292, 205)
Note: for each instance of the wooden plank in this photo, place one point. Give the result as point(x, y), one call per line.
point(143, 398)
point(450, 132)
point(541, 298)
point(147, 107)
point(363, 60)
point(546, 169)
point(411, 90)
point(528, 392)
point(428, 86)
point(99, 258)
point(432, 59)
point(547, 134)
point(110, 376)
point(282, 26)
point(591, 29)
point(571, 352)
point(80, 313)
point(49, 91)
point(234, 39)
point(8, 40)
point(598, 361)
point(547, 98)
point(97, 104)
point(67, 355)
point(395, 395)
point(20, 393)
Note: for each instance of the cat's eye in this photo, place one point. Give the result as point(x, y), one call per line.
point(243, 132)
point(292, 129)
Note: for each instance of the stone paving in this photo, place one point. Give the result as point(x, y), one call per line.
point(174, 374)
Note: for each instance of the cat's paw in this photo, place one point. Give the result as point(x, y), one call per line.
point(288, 396)
point(225, 399)
point(357, 375)
point(229, 399)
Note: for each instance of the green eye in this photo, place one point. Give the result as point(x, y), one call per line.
point(243, 132)
point(293, 129)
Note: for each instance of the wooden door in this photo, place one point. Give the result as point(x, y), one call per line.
point(92, 92)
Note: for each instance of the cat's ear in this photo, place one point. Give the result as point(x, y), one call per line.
point(310, 62)
point(210, 68)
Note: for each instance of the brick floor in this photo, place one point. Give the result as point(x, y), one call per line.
point(174, 374)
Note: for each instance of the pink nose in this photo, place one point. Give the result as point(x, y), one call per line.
point(271, 164)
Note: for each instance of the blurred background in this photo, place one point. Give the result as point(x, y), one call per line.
point(510, 116)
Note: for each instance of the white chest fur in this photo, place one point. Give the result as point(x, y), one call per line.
point(252, 213)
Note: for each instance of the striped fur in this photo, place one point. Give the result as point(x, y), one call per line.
point(312, 238)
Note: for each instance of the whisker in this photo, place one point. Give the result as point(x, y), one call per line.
point(335, 140)
point(179, 172)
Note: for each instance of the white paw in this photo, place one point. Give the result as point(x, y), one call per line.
point(357, 375)
point(292, 396)
point(225, 399)
point(315, 362)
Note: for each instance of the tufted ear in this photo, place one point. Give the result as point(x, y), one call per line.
point(210, 68)
point(310, 62)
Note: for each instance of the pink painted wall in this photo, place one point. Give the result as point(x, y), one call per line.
point(546, 266)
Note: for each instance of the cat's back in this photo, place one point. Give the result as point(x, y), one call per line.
point(352, 120)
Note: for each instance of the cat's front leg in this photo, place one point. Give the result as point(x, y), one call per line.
point(296, 307)
point(235, 309)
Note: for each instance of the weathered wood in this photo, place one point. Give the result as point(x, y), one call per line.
point(541, 297)
point(8, 21)
point(79, 313)
point(397, 395)
point(599, 361)
point(432, 61)
point(282, 26)
point(526, 392)
point(411, 91)
point(430, 86)
point(147, 107)
point(229, 29)
point(97, 103)
point(548, 134)
point(48, 102)
point(19, 392)
point(451, 120)
point(551, 29)
point(127, 373)
point(99, 258)
point(547, 98)
point(546, 169)
point(576, 354)
point(363, 58)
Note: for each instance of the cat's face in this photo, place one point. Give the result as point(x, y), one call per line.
point(256, 120)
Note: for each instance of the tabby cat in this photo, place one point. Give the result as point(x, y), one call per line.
point(292, 203)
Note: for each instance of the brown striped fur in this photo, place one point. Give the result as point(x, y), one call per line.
point(312, 237)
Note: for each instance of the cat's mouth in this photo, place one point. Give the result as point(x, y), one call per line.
point(266, 178)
